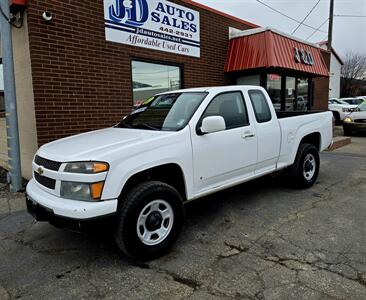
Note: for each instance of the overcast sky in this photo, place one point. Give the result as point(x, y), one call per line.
point(349, 33)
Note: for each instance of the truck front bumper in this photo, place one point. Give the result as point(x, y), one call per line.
point(44, 206)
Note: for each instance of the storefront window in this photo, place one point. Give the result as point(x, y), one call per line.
point(302, 94)
point(290, 94)
point(149, 79)
point(249, 80)
point(274, 90)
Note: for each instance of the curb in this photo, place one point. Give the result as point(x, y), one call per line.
point(340, 141)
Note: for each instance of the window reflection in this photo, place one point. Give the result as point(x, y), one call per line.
point(149, 79)
point(274, 90)
point(302, 94)
point(290, 94)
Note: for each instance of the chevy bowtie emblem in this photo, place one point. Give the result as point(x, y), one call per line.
point(40, 171)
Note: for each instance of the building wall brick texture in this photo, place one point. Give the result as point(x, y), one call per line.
point(82, 82)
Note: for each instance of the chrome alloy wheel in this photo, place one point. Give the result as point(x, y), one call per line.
point(155, 222)
point(309, 167)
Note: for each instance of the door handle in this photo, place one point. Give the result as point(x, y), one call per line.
point(248, 135)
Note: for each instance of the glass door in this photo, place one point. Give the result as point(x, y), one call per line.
point(302, 102)
point(274, 82)
point(290, 94)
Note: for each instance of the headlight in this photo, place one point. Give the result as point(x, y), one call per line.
point(348, 120)
point(87, 167)
point(81, 191)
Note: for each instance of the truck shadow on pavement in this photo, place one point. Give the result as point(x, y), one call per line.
point(244, 197)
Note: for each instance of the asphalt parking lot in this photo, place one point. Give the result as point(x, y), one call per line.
point(261, 240)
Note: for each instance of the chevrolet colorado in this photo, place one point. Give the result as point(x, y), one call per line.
point(176, 147)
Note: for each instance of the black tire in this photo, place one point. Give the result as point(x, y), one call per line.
point(298, 169)
point(129, 210)
point(337, 117)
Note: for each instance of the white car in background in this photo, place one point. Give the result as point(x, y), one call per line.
point(356, 120)
point(353, 101)
point(340, 109)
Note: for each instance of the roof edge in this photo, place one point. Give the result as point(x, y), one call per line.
point(242, 33)
point(325, 43)
point(215, 11)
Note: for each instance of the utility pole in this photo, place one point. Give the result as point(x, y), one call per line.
point(10, 99)
point(330, 29)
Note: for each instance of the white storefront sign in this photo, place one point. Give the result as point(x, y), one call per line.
point(153, 24)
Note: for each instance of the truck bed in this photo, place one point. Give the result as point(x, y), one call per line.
point(289, 114)
point(295, 125)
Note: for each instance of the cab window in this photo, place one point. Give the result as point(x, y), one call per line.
point(231, 107)
point(260, 106)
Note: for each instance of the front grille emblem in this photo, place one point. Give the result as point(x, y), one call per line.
point(40, 171)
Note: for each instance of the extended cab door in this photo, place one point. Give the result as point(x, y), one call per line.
point(222, 157)
point(268, 131)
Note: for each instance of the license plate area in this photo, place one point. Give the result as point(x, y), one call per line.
point(37, 211)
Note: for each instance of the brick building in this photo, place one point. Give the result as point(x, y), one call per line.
point(77, 73)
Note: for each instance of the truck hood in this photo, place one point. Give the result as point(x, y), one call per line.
point(95, 145)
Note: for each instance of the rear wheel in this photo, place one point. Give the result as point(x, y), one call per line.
point(150, 219)
point(305, 170)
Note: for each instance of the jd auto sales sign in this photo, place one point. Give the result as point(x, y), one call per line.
point(153, 24)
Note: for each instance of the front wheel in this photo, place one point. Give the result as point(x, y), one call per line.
point(150, 219)
point(305, 170)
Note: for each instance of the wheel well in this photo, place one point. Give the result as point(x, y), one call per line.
point(313, 138)
point(336, 114)
point(171, 174)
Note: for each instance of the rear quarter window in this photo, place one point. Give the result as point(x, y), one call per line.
point(260, 106)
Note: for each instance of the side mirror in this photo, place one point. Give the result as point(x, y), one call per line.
point(212, 124)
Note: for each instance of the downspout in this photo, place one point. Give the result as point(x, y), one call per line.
point(14, 175)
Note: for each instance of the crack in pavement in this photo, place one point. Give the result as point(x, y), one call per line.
point(297, 264)
point(190, 283)
point(98, 293)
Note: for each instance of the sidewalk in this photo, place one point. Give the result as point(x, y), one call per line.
point(10, 203)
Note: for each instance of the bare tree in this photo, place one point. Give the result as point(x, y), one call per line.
point(353, 73)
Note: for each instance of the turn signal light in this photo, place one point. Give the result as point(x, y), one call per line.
point(96, 190)
point(100, 167)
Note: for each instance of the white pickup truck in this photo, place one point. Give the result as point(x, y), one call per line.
point(176, 147)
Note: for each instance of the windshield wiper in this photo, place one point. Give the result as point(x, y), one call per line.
point(123, 125)
point(147, 126)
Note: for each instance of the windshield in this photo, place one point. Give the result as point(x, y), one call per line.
point(168, 112)
point(362, 106)
point(343, 102)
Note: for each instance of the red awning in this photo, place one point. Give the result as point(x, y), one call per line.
point(267, 48)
